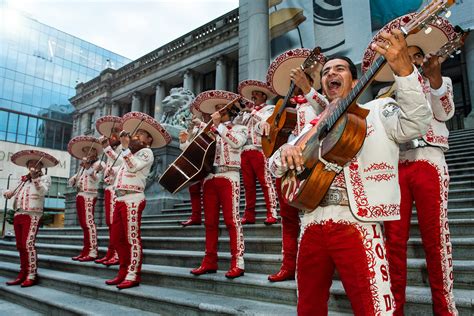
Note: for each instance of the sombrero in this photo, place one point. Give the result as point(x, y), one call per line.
point(207, 101)
point(75, 146)
point(160, 136)
point(246, 88)
point(105, 123)
point(278, 74)
point(441, 32)
point(22, 157)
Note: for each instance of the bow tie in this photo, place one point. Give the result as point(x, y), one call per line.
point(299, 99)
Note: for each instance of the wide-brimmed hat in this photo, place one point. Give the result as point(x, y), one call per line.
point(105, 124)
point(207, 101)
point(22, 157)
point(77, 144)
point(132, 120)
point(246, 88)
point(441, 32)
point(278, 74)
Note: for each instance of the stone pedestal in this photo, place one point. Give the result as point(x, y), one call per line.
point(157, 198)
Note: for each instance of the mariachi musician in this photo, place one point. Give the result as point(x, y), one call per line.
point(28, 205)
point(254, 164)
point(109, 127)
point(423, 175)
point(223, 182)
point(140, 133)
point(195, 190)
point(86, 181)
point(307, 104)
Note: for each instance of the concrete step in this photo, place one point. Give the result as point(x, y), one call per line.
point(155, 297)
point(458, 159)
point(458, 185)
point(455, 194)
point(462, 171)
point(463, 246)
point(461, 177)
point(457, 227)
point(56, 302)
point(157, 278)
point(14, 309)
point(464, 202)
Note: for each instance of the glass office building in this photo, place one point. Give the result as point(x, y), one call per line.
point(39, 69)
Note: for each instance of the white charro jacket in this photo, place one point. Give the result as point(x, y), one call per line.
point(229, 142)
point(88, 183)
point(132, 174)
point(30, 195)
point(111, 172)
point(372, 175)
point(252, 121)
point(442, 105)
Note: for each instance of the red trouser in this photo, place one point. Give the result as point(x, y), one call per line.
point(222, 191)
point(427, 185)
point(254, 167)
point(85, 206)
point(290, 230)
point(196, 198)
point(26, 228)
point(109, 197)
point(126, 237)
point(357, 251)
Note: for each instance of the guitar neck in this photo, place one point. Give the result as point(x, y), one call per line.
point(355, 93)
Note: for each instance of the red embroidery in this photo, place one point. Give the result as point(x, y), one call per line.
point(435, 139)
point(370, 130)
point(339, 181)
point(363, 208)
point(379, 166)
point(381, 177)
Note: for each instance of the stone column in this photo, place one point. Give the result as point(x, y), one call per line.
point(84, 122)
point(469, 62)
point(221, 73)
point(160, 95)
point(146, 104)
point(115, 108)
point(258, 39)
point(137, 105)
point(188, 80)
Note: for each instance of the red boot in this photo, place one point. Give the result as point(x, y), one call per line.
point(77, 257)
point(282, 275)
point(101, 260)
point(115, 281)
point(190, 222)
point(234, 273)
point(86, 258)
point(126, 284)
point(203, 269)
point(112, 262)
point(270, 221)
point(17, 281)
point(246, 221)
point(29, 282)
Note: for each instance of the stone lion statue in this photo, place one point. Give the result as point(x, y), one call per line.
point(176, 107)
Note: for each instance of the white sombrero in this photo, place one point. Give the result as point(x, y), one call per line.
point(278, 74)
point(246, 88)
point(442, 32)
point(160, 136)
point(22, 157)
point(207, 101)
point(75, 146)
point(105, 124)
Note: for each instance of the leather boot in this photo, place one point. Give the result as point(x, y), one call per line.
point(282, 275)
point(234, 273)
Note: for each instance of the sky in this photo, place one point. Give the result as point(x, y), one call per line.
point(131, 28)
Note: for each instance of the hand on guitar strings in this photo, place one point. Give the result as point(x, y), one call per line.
point(432, 70)
point(265, 127)
point(216, 118)
point(393, 47)
point(292, 157)
point(124, 139)
point(183, 136)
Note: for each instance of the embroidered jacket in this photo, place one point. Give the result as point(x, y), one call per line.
point(252, 120)
point(111, 172)
point(30, 196)
point(89, 179)
point(372, 175)
point(132, 174)
point(229, 142)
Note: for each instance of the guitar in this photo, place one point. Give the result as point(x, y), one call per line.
point(196, 161)
point(284, 117)
point(443, 53)
point(340, 132)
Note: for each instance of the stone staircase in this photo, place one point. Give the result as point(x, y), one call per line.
point(69, 287)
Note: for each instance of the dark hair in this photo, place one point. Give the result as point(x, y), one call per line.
point(419, 48)
point(352, 67)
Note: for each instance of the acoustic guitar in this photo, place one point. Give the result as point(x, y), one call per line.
point(340, 132)
point(284, 117)
point(196, 161)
